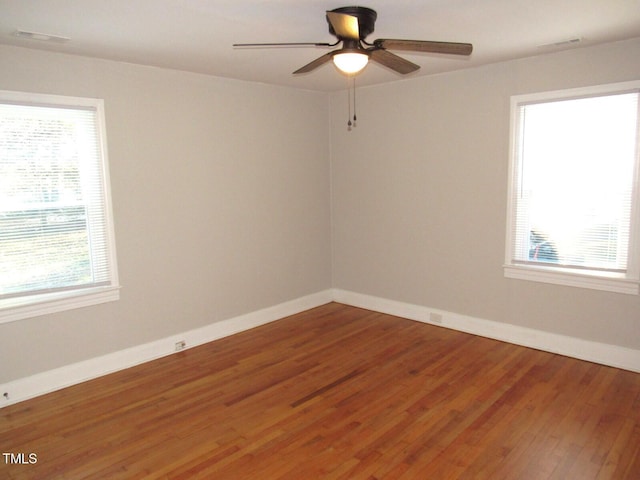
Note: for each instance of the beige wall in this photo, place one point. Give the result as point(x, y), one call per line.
point(420, 191)
point(220, 195)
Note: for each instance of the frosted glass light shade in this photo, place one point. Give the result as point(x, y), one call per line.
point(350, 62)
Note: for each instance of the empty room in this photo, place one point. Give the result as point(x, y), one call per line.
point(308, 240)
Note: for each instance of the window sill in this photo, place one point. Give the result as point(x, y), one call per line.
point(561, 276)
point(18, 309)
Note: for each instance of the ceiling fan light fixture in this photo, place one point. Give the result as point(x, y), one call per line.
point(350, 62)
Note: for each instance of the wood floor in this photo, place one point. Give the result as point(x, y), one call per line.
point(337, 393)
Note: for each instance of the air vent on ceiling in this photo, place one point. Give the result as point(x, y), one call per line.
point(562, 43)
point(43, 37)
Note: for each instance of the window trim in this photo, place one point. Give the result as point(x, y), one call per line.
point(627, 283)
point(12, 309)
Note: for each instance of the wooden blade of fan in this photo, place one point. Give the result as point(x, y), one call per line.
point(452, 48)
point(345, 26)
point(392, 61)
point(315, 64)
point(286, 44)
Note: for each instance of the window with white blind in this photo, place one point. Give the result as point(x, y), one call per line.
point(57, 247)
point(573, 194)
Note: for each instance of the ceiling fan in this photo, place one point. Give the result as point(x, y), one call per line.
point(351, 26)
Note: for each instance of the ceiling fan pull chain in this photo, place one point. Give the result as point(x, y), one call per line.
point(349, 105)
point(354, 103)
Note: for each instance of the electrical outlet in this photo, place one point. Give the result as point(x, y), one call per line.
point(435, 317)
point(181, 345)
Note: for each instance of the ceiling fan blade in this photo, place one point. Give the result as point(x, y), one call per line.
point(287, 44)
point(425, 46)
point(315, 64)
point(393, 61)
point(345, 26)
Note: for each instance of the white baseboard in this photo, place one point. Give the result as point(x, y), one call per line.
point(51, 380)
point(602, 353)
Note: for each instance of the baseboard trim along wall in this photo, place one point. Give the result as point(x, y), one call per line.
point(49, 381)
point(602, 353)
point(56, 379)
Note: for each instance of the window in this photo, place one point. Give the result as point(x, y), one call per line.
point(573, 199)
point(56, 238)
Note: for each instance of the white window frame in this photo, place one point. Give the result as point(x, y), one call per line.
point(12, 309)
point(628, 282)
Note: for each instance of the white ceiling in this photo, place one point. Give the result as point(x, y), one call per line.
point(197, 35)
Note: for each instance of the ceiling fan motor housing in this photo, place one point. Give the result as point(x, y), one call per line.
point(366, 19)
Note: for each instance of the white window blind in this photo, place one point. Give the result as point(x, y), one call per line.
point(55, 231)
point(574, 181)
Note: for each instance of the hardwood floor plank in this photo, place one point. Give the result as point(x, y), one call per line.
point(337, 393)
